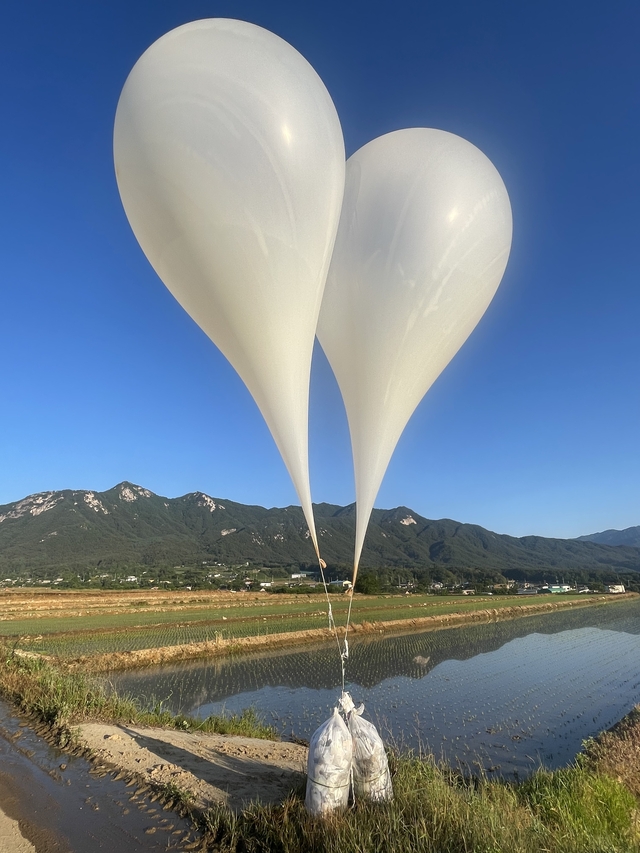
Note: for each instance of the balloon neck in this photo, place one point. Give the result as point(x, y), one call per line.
point(356, 565)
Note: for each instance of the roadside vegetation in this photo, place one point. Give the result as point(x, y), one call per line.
point(62, 699)
point(573, 810)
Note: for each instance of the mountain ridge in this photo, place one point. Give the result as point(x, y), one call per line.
point(628, 536)
point(130, 525)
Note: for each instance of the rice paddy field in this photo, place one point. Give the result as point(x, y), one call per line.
point(502, 698)
point(496, 697)
point(70, 625)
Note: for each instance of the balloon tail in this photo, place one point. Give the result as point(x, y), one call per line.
point(354, 576)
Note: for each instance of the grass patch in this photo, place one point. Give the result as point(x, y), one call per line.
point(247, 723)
point(617, 752)
point(61, 699)
point(435, 811)
point(177, 795)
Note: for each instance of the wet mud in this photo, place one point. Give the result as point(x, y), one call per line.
point(63, 805)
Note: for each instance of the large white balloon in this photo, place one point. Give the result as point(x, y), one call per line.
point(422, 245)
point(230, 164)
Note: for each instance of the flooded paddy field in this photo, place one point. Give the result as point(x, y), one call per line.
point(504, 697)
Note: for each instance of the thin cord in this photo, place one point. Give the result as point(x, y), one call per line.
point(346, 628)
point(344, 654)
point(332, 624)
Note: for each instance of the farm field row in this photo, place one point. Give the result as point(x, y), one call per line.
point(143, 607)
point(79, 612)
point(173, 620)
point(76, 616)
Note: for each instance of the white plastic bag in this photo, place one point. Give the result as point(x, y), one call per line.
point(371, 776)
point(329, 767)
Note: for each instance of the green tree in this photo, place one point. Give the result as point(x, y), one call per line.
point(368, 584)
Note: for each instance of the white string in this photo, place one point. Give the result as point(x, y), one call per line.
point(345, 653)
point(332, 624)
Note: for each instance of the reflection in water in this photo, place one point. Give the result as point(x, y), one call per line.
point(504, 695)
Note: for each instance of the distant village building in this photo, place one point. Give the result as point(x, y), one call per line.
point(556, 587)
point(615, 588)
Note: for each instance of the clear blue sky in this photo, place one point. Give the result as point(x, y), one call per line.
point(535, 425)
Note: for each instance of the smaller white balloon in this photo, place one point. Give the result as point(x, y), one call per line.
point(422, 245)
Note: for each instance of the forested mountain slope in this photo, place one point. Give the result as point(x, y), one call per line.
point(129, 525)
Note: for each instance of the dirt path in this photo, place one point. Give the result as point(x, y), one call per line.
point(211, 768)
point(11, 839)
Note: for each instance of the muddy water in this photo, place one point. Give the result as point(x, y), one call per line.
point(62, 807)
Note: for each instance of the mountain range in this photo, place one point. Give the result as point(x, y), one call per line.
point(628, 536)
point(130, 525)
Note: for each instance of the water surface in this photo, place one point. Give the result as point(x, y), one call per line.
point(63, 806)
point(503, 696)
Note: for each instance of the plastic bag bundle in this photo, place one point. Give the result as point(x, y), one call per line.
point(371, 776)
point(329, 767)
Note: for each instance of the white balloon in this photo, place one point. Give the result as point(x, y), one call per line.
point(230, 163)
point(422, 245)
